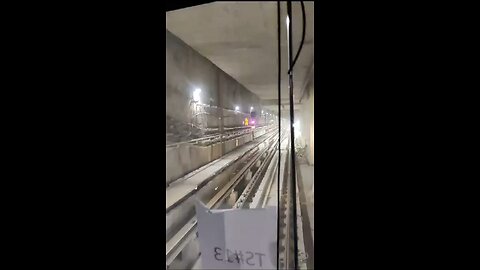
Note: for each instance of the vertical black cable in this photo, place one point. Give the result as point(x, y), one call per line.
point(279, 132)
point(292, 137)
point(303, 37)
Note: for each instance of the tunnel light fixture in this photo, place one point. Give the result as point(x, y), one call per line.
point(288, 21)
point(237, 108)
point(296, 126)
point(296, 129)
point(216, 188)
point(251, 109)
point(262, 111)
point(196, 94)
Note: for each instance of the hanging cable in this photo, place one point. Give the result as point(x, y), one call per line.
point(292, 138)
point(279, 132)
point(303, 37)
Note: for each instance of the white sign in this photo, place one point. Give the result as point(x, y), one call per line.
point(237, 238)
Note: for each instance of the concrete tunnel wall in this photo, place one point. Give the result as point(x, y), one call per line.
point(186, 158)
point(306, 117)
point(187, 70)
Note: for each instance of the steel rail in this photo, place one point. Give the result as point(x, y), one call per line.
point(176, 243)
point(238, 132)
point(208, 179)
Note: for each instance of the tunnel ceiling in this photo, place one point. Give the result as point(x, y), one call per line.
point(241, 39)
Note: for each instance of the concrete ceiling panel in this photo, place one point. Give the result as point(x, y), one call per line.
point(241, 39)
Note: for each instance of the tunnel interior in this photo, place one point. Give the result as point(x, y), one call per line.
point(225, 132)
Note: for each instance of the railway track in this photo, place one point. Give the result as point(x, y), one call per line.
point(241, 177)
point(256, 194)
point(229, 133)
point(247, 183)
point(286, 248)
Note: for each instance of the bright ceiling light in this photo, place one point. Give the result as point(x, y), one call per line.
point(196, 94)
point(237, 108)
point(296, 126)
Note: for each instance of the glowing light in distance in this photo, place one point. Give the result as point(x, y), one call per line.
point(296, 127)
point(196, 94)
point(237, 108)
